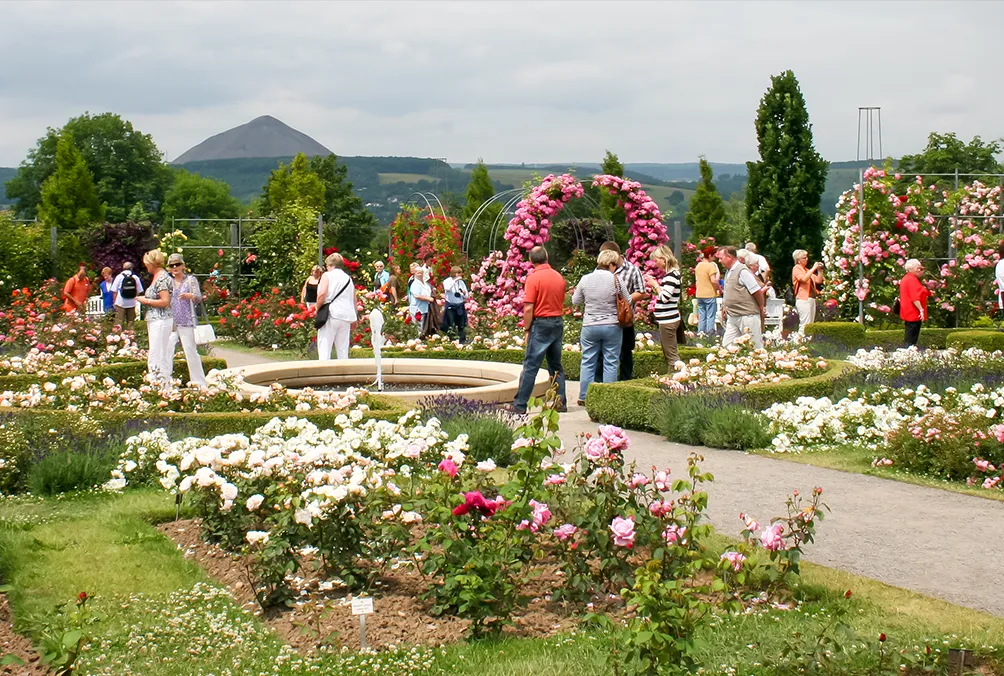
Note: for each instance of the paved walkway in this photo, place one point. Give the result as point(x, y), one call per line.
point(938, 543)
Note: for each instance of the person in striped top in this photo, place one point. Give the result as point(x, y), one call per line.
point(667, 302)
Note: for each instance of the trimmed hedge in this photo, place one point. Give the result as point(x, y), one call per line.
point(646, 362)
point(985, 340)
point(633, 404)
point(131, 372)
point(851, 336)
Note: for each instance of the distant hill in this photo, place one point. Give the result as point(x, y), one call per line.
point(263, 136)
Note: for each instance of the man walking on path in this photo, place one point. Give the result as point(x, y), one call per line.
point(125, 288)
point(543, 306)
point(633, 284)
point(805, 282)
point(743, 303)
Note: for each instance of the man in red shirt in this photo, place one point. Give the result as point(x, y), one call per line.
point(543, 307)
point(75, 291)
point(913, 300)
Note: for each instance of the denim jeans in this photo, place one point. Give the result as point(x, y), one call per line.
point(455, 317)
point(706, 310)
point(626, 368)
point(545, 341)
point(599, 343)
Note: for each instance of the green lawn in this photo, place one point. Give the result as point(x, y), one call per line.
point(859, 460)
point(162, 616)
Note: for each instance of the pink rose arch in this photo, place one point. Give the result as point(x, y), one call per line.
point(531, 227)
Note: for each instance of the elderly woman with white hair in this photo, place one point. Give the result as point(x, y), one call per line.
point(336, 298)
point(913, 301)
point(601, 334)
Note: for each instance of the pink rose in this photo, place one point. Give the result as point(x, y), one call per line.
point(638, 480)
point(734, 558)
point(614, 437)
point(564, 532)
point(771, 538)
point(662, 480)
point(447, 466)
point(541, 513)
point(623, 530)
point(554, 480)
point(596, 449)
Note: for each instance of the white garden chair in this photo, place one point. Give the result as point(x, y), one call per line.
point(95, 306)
point(775, 313)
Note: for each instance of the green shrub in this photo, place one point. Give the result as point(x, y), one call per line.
point(15, 458)
point(947, 455)
point(736, 428)
point(132, 372)
point(682, 419)
point(70, 471)
point(844, 333)
point(487, 438)
point(989, 341)
point(634, 404)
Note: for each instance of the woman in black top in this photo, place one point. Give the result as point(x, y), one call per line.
point(308, 295)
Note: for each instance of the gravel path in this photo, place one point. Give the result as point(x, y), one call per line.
point(941, 544)
point(938, 543)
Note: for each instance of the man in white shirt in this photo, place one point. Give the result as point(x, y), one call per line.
point(761, 261)
point(743, 302)
point(125, 298)
point(337, 292)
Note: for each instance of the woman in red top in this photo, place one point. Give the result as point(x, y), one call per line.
point(913, 300)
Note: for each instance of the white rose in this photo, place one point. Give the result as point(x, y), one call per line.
point(254, 502)
point(487, 465)
point(257, 537)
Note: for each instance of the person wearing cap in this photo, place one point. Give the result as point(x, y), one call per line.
point(706, 276)
point(159, 318)
point(184, 296)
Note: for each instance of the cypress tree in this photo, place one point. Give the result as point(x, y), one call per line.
point(786, 184)
point(69, 199)
point(706, 217)
point(480, 190)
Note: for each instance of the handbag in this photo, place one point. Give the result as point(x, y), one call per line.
point(204, 333)
point(625, 313)
point(323, 313)
point(896, 307)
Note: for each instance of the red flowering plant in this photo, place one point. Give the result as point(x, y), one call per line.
point(36, 319)
point(268, 320)
point(405, 232)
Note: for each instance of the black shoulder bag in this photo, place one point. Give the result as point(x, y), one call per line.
point(321, 318)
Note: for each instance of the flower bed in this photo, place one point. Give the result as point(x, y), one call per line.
point(741, 365)
point(341, 509)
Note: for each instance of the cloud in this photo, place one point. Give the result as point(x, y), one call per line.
point(507, 81)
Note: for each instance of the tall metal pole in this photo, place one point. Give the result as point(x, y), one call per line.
point(861, 243)
point(320, 240)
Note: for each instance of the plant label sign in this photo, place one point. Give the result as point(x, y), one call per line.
point(363, 606)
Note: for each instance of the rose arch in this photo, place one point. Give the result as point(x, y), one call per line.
point(531, 226)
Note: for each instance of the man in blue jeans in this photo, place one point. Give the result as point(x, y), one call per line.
point(543, 306)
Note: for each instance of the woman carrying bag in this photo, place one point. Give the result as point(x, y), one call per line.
point(601, 335)
point(336, 310)
point(183, 299)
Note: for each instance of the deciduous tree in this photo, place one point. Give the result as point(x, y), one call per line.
point(786, 184)
point(194, 196)
point(945, 153)
point(351, 224)
point(126, 165)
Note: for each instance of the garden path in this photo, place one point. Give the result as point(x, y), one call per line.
point(934, 542)
point(941, 544)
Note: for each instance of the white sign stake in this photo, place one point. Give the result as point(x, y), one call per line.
point(362, 607)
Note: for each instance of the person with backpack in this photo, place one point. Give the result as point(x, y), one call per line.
point(125, 288)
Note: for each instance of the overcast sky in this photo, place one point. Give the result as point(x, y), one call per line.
point(518, 81)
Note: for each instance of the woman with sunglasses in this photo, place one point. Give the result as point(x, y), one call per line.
point(185, 295)
point(159, 319)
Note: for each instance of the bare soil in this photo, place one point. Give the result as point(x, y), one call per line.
point(12, 643)
point(401, 616)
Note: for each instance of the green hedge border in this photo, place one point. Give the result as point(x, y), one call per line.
point(852, 336)
point(646, 362)
point(631, 404)
point(131, 372)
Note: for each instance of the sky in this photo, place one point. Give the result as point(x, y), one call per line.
point(519, 81)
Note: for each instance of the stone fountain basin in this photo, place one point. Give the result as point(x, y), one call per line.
point(477, 380)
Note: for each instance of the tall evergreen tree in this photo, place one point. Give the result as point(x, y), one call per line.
point(706, 217)
point(609, 211)
point(480, 190)
point(785, 186)
point(69, 200)
point(351, 224)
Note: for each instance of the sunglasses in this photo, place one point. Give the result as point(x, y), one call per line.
point(175, 265)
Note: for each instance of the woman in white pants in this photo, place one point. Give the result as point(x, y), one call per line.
point(337, 292)
point(159, 320)
point(185, 295)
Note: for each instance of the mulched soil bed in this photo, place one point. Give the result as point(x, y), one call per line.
point(12, 643)
point(400, 618)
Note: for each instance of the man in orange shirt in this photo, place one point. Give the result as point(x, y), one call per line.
point(76, 290)
point(543, 307)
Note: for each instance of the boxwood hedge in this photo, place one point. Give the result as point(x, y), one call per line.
point(132, 372)
point(848, 337)
point(633, 404)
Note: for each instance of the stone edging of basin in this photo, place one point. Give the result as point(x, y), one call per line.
point(482, 380)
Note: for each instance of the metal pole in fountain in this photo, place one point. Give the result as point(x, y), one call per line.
point(376, 336)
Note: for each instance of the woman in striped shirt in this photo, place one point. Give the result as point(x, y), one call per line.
point(667, 302)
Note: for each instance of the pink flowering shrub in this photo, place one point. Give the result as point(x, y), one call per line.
point(969, 276)
point(643, 218)
point(784, 538)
